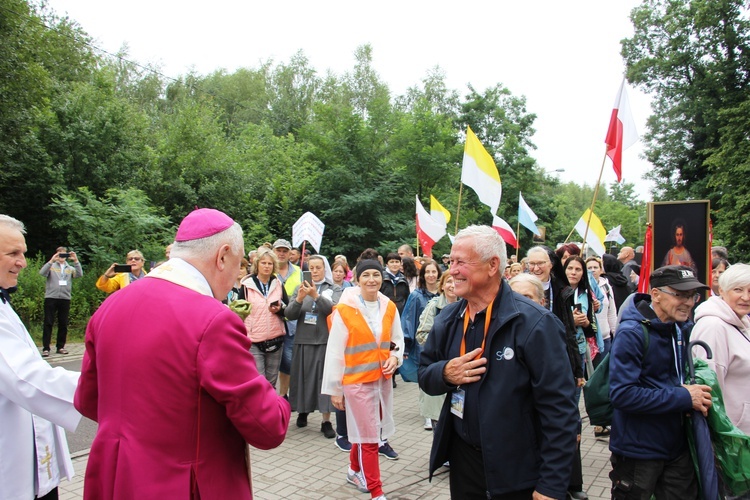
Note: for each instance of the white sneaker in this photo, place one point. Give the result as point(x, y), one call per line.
point(428, 424)
point(358, 480)
point(381, 497)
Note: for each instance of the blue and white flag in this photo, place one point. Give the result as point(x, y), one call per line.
point(526, 217)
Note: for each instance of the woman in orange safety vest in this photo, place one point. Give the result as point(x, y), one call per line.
point(365, 347)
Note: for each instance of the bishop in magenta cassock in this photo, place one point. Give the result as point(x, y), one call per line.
point(169, 376)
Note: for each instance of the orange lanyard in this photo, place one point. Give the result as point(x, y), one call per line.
point(487, 318)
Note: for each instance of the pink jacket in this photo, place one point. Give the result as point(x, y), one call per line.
point(168, 375)
point(728, 336)
point(261, 323)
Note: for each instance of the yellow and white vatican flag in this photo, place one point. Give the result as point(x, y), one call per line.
point(480, 173)
point(595, 234)
point(439, 212)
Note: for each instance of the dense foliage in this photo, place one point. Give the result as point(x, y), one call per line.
point(105, 155)
point(693, 56)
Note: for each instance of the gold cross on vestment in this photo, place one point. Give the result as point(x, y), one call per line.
point(47, 460)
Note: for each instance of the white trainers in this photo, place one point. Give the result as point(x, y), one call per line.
point(358, 480)
point(428, 424)
point(381, 497)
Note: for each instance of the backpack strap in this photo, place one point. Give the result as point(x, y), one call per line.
point(646, 339)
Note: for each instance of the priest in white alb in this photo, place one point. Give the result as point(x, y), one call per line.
point(36, 400)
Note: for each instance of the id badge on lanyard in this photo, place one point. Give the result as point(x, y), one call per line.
point(458, 397)
point(311, 318)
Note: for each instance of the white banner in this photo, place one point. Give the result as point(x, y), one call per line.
point(310, 228)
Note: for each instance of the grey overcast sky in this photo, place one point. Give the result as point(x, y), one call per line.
point(563, 56)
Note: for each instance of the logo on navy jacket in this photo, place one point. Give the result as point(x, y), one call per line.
point(505, 354)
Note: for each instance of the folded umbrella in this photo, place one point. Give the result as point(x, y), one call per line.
point(731, 445)
point(701, 447)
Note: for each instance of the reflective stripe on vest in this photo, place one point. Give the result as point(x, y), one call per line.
point(363, 357)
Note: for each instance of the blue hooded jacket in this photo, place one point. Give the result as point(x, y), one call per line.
point(645, 389)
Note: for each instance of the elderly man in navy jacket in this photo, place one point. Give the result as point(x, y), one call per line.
point(509, 423)
point(647, 385)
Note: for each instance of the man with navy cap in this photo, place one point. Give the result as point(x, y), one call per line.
point(649, 391)
point(169, 377)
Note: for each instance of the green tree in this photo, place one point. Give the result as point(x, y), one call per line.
point(694, 58)
point(142, 86)
point(195, 160)
point(620, 206)
point(102, 230)
point(293, 92)
point(359, 192)
point(730, 168)
point(352, 194)
point(426, 150)
point(442, 100)
point(243, 96)
point(95, 137)
point(37, 61)
point(278, 181)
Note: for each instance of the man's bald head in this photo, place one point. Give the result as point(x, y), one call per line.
point(405, 251)
point(626, 254)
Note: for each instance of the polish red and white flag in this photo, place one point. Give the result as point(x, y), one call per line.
point(505, 231)
point(621, 133)
point(429, 231)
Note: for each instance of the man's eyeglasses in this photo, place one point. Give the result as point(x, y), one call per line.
point(686, 297)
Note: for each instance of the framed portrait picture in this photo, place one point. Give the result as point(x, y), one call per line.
point(542, 235)
point(680, 235)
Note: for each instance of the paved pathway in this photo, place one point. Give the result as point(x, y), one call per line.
point(309, 466)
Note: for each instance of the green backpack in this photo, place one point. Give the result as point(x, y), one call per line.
point(596, 391)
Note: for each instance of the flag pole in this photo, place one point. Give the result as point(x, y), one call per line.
point(593, 201)
point(569, 235)
point(416, 221)
point(518, 238)
point(458, 208)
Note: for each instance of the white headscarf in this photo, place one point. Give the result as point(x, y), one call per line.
point(328, 278)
